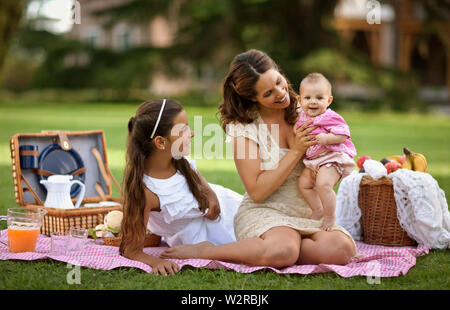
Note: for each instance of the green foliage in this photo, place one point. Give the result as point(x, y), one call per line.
point(18, 72)
point(11, 12)
point(297, 34)
point(387, 88)
point(73, 64)
point(212, 32)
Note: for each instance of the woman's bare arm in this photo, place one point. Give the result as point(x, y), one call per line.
point(259, 183)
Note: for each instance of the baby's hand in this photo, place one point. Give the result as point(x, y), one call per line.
point(323, 138)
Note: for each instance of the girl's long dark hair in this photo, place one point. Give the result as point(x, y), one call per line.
point(139, 147)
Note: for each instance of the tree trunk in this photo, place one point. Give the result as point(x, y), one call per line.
point(10, 15)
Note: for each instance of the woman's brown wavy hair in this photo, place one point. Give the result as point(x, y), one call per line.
point(239, 88)
point(139, 147)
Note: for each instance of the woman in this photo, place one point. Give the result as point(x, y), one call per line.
point(272, 224)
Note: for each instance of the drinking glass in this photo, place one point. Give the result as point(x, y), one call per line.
point(77, 239)
point(58, 243)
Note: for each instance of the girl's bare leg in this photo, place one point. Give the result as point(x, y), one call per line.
point(323, 247)
point(327, 178)
point(278, 247)
point(306, 183)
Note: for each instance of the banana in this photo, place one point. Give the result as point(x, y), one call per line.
point(418, 161)
point(407, 164)
point(394, 157)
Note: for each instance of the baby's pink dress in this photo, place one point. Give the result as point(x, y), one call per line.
point(338, 155)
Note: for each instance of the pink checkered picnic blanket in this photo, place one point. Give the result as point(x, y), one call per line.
point(376, 261)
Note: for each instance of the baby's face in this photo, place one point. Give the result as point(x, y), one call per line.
point(315, 98)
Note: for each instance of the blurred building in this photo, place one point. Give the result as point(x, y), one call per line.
point(404, 38)
point(156, 32)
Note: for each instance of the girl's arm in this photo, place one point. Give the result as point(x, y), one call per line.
point(159, 266)
point(214, 207)
point(258, 183)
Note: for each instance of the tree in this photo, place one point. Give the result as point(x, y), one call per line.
point(11, 12)
point(211, 32)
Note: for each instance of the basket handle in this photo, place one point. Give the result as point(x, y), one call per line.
point(104, 169)
point(36, 197)
point(100, 191)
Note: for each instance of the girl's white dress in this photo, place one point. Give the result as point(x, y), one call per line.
point(180, 221)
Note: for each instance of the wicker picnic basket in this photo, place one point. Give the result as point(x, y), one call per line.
point(379, 219)
point(91, 146)
point(151, 240)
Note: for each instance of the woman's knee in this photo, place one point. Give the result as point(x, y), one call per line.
point(343, 250)
point(280, 254)
point(333, 247)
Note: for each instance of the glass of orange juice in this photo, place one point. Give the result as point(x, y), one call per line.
point(23, 228)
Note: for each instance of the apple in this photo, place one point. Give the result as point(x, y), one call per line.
point(392, 166)
point(361, 160)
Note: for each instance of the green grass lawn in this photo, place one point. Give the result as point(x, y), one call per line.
point(374, 134)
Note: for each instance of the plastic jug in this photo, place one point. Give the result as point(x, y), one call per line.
point(58, 191)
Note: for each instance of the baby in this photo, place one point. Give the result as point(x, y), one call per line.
point(327, 162)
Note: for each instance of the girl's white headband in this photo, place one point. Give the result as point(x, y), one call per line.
point(159, 118)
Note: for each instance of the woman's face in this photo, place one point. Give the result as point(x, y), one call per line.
point(272, 90)
point(180, 136)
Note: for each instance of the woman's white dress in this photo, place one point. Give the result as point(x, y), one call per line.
point(180, 221)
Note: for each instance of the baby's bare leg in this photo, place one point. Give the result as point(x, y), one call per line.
point(327, 178)
point(306, 183)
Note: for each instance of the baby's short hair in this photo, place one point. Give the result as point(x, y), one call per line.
point(314, 77)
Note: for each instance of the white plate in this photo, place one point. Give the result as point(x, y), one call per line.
point(109, 203)
point(102, 204)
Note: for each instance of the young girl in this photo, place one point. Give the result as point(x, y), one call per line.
point(331, 159)
point(164, 192)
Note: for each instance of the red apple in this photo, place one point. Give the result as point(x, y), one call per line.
point(361, 160)
point(392, 166)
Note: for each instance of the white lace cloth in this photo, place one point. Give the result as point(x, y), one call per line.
point(422, 208)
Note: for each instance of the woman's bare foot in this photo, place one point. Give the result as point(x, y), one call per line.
point(328, 222)
point(186, 250)
point(317, 214)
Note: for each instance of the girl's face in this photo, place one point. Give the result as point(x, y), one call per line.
point(272, 90)
point(180, 136)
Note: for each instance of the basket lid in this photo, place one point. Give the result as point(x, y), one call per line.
point(56, 160)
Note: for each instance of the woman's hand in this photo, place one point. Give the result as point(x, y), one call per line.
point(302, 138)
point(164, 267)
point(214, 207)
